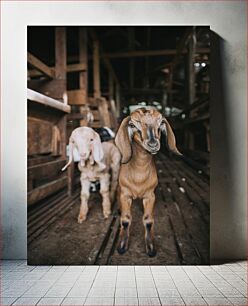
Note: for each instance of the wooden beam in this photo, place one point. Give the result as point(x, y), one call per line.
point(45, 170)
point(69, 68)
point(47, 101)
point(40, 66)
point(76, 67)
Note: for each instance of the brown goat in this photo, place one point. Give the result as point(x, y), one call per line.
point(138, 138)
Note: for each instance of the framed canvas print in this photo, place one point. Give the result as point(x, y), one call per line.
point(118, 145)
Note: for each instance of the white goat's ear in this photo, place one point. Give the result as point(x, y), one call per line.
point(71, 146)
point(97, 150)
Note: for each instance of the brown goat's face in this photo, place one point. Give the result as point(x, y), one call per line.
point(145, 128)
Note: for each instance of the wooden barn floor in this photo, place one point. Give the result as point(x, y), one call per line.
point(181, 225)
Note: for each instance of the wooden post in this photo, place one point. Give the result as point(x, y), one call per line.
point(111, 87)
point(118, 100)
point(60, 53)
point(131, 62)
point(96, 69)
point(191, 68)
point(83, 75)
point(189, 135)
point(60, 74)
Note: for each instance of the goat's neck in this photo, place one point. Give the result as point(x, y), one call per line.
point(140, 157)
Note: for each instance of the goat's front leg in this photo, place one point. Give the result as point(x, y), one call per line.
point(148, 221)
point(126, 218)
point(85, 194)
point(104, 190)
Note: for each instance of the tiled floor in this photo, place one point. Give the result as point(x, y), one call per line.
point(123, 285)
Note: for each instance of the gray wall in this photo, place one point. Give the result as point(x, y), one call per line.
point(228, 115)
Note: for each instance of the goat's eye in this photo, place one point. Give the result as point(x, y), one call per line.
point(132, 125)
point(91, 139)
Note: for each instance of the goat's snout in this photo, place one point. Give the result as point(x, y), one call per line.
point(83, 155)
point(153, 144)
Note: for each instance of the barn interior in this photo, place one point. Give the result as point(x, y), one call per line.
point(95, 76)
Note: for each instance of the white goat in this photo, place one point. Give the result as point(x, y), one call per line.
point(96, 161)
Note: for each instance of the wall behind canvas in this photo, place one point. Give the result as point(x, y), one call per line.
point(228, 124)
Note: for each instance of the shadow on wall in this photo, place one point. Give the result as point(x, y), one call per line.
point(225, 219)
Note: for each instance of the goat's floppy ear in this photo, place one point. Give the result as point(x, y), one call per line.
point(171, 140)
point(123, 141)
point(97, 150)
point(71, 146)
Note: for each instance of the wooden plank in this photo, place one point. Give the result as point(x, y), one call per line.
point(76, 67)
point(187, 251)
point(40, 66)
point(77, 97)
point(39, 159)
point(47, 101)
point(46, 170)
point(69, 68)
point(40, 135)
point(51, 88)
point(45, 190)
point(51, 218)
point(193, 221)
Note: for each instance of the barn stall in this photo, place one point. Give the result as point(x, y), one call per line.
point(95, 76)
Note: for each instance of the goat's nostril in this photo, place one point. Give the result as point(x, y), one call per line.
point(152, 144)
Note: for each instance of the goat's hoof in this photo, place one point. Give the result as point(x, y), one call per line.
point(81, 219)
point(121, 250)
point(151, 253)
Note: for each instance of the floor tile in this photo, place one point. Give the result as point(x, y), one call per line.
point(79, 291)
point(149, 301)
point(7, 300)
point(121, 301)
point(126, 292)
point(217, 301)
point(239, 301)
point(30, 301)
point(50, 301)
point(102, 292)
point(199, 301)
point(147, 292)
point(73, 301)
point(165, 292)
point(166, 301)
point(99, 301)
